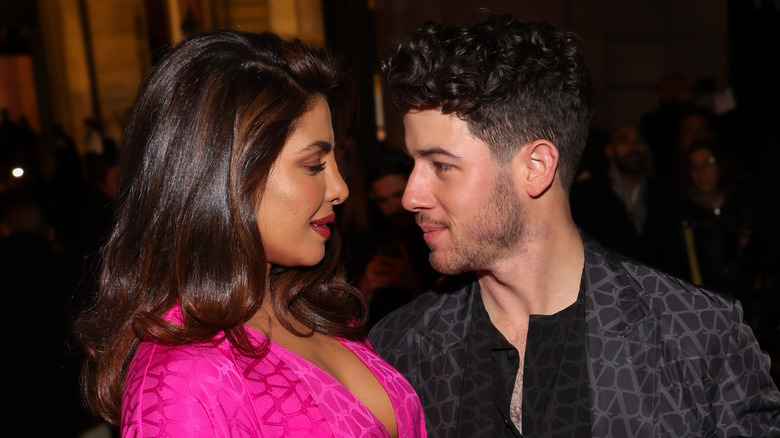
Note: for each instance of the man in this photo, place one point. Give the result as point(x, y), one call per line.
point(551, 335)
point(622, 207)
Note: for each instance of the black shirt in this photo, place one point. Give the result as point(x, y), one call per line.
point(555, 382)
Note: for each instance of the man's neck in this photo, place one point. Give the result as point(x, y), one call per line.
point(631, 180)
point(542, 278)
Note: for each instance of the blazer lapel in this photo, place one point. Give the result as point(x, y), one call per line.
point(442, 359)
point(622, 346)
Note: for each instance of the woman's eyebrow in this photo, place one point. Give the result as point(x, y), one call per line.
point(321, 145)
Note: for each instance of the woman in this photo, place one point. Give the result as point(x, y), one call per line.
point(221, 308)
point(716, 218)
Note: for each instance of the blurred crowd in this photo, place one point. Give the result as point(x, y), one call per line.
point(689, 188)
point(55, 210)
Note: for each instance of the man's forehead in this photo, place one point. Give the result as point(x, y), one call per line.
point(624, 131)
point(433, 132)
point(428, 114)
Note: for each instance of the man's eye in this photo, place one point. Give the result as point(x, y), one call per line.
point(441, 167)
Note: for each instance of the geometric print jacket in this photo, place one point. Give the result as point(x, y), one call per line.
point(664, 358)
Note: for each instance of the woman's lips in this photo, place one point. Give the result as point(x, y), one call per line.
point(321, 225)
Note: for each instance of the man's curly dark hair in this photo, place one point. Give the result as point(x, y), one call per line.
point(513, 82)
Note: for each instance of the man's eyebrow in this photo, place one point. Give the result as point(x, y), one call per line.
point(432, 151)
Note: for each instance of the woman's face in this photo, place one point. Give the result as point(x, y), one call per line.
point(295, 214)
point(704, 170)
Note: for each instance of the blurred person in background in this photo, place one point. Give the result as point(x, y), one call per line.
point(397, 269)
point(624, 207)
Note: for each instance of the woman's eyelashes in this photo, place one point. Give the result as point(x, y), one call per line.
point(315, 169)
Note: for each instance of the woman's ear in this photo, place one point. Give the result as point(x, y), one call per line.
point(540, 160)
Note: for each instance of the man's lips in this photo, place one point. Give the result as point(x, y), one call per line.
point(431, 232)
point(321, 225)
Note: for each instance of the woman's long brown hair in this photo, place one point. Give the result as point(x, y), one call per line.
point(205, 129)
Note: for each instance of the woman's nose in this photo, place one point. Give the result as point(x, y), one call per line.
point(338, 191)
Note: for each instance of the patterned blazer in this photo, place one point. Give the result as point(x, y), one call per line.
point(664, 358)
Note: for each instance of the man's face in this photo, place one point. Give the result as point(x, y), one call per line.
point(464, 201)
point(628, 149)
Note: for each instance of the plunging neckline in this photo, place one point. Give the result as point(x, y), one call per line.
point(307, 365)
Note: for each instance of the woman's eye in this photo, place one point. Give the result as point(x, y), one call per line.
point(316, 169)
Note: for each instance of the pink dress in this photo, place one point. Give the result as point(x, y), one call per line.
point(212, 390)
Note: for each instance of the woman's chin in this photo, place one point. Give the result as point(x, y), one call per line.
point(302, 262)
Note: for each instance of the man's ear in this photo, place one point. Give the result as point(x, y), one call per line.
point(540, 160)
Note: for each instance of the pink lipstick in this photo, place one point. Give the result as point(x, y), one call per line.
point(321, 225)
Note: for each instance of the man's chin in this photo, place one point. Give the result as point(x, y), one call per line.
point(445, 265)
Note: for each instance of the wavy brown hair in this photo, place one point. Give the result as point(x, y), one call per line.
point(512, 82)
point(207, 125)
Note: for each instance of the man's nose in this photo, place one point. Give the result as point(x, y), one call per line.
point(414, 195)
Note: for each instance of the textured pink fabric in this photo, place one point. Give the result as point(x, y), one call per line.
point(212, 390)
